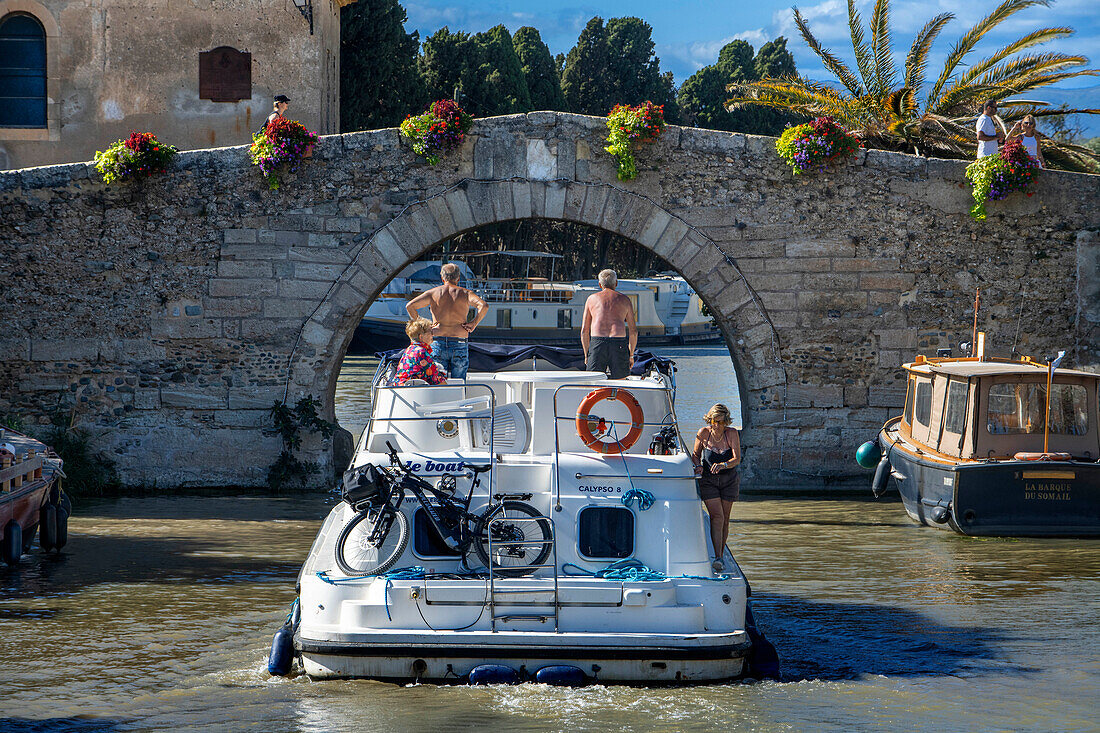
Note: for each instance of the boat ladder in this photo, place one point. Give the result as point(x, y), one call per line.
point(501, 596)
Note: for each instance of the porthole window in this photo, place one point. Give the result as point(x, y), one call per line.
point(605, 533)
point(427, 542)
point(22, 71)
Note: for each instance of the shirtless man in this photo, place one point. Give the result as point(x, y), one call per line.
point(608, 330)
point(450, 306)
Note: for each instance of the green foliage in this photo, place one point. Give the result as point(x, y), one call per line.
point(288, 423)
point(539, 69)
point(500, 87)
point(701, 97)
point(887, 111)
point(135, 158)
point(614, 64)
point(628, 127)
point(585, 77)
point(814, 145)
point(379, 82)
point(995, 176)
point(448, 61)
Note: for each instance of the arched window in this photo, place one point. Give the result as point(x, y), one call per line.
point(22, 71)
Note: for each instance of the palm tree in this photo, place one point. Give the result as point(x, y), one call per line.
point(887, 112)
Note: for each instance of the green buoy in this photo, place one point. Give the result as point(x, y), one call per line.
point(867, 455)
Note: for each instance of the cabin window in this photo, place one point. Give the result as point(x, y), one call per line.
point(504, 318)
point(909, 396)
point(427, 541)
point(606, 533)
point(955, 419)
point(923, 402)
point(1017, 408)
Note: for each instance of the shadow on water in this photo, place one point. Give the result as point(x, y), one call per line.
point(819, 640)
point(91, 560)
point(78, 724)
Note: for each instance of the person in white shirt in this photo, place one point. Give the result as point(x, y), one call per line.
point(1025, 132)
point(989, 137)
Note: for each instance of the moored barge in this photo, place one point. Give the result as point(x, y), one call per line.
point(996, 447)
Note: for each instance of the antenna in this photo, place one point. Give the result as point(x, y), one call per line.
point(977, 302)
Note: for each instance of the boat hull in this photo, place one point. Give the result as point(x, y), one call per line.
point(701, 658)
point(1001, 498)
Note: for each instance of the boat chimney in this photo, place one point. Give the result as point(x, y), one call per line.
point(980, 351)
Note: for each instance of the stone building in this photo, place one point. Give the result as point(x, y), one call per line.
point(76, 75)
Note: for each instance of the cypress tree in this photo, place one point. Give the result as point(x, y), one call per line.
point(448, 61)
point(539, 69)
point(774, 60)
point(585, 77)
point(379, 84)
point(501, 86)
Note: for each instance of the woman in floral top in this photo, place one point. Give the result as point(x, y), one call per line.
point(416, 362)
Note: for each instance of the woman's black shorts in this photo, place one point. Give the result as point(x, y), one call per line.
point(725, 485)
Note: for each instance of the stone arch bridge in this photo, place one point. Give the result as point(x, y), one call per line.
point(166, 317)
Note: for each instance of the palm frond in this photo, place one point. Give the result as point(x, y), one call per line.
point(902, 104)
point(832, 63)
point(917, 60)
point(864, 62)
point(880, 47)
point(1034, 38)
point(966, 44)
point(800, 95)
point(1009, 77)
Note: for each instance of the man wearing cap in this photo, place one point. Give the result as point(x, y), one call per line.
point(280, 104)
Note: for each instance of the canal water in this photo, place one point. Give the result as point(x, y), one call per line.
point(159, 614)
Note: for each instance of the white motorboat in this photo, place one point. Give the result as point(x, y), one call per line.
point(529, 309)
point(531, 522)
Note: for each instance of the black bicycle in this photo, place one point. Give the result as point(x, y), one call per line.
point(370, 544)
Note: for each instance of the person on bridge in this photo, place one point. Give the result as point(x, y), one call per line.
point(416, 361)
point(450, 307)
point(609, 332)
point(279, 106)
point(989, 136)
point(716, 454)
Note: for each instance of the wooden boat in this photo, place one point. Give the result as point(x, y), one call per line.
point(31, 498)
point(989, 446)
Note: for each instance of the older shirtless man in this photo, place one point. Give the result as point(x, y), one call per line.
point(450, 308)
point(608, 330)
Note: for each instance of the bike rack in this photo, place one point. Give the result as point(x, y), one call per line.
point(493, 592)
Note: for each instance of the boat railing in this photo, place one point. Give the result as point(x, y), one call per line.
point(508, 294)
point(458, 413)
point(555, 479)
point(495, 576)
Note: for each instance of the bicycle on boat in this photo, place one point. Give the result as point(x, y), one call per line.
point(517, 535)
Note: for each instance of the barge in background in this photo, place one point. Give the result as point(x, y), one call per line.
point(31, 498)
point(537, 310)
point(996, 447)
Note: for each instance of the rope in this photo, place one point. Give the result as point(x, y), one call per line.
point(416, 572)
point(629, 570)
point(645, 498)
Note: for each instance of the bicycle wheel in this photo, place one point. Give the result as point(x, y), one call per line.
point(357, 555)
point(521, 538)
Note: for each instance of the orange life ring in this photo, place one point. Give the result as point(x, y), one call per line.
point(1043, 457)
point(587, 422)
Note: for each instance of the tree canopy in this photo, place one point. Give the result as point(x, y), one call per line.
point(379, 85)
point(539, 70)
point(904, 112)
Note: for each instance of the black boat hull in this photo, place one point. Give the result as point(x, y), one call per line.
point(999, 498)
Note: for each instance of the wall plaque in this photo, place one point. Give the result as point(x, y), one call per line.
point(225, 75)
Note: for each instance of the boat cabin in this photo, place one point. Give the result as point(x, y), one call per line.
point(992, 409)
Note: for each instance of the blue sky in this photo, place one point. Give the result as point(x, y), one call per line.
point(689, 33)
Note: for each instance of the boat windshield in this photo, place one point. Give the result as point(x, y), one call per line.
point(1019, 408)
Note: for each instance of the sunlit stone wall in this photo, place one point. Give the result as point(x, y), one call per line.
point(166, 317)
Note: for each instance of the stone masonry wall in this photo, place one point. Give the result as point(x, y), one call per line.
point(166, 317)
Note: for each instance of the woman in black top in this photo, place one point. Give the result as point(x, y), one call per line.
point(716, 454)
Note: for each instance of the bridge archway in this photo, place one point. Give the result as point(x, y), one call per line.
point(422, 225)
